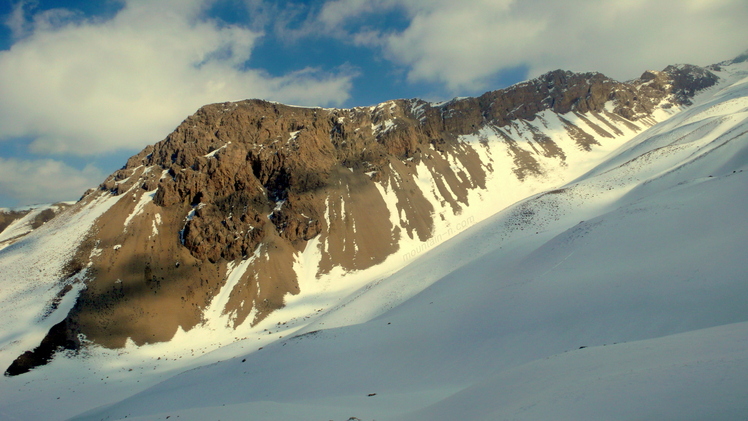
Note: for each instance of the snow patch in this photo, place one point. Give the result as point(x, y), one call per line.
point(213, 153)
point(145, 198)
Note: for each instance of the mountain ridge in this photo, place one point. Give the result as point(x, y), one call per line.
point(230, 188)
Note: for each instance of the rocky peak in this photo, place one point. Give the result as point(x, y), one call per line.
point(249, 166)
point(687, 79)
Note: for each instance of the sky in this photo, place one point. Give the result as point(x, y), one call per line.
point(86, 84)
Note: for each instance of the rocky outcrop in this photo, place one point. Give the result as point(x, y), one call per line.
point(687, 80)
point(254, 183)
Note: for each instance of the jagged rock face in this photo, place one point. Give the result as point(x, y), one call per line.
point(252, 184)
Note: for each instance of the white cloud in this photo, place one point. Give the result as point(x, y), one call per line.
point(85, 86)
point(461, 44)
point(44, 181)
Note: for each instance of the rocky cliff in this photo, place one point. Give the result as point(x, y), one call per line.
point(213, 221)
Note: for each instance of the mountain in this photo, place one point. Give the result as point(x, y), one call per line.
point(371, 263)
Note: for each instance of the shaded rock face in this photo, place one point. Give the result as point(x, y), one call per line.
point(258, 174)
point(59, 337)
point(255, 182)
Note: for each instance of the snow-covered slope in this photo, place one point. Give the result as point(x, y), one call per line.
point(620, 295)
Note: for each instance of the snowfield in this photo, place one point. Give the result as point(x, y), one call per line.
point(621, 295)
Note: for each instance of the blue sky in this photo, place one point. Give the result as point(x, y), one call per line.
point(86, 84)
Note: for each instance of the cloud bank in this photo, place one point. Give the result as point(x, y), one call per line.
point(461, 44)
point(86, 86)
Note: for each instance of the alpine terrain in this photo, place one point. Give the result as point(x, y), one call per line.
point(571, 247)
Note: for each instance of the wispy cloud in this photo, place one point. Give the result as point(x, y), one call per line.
point(84, 86)
point(27, 182)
